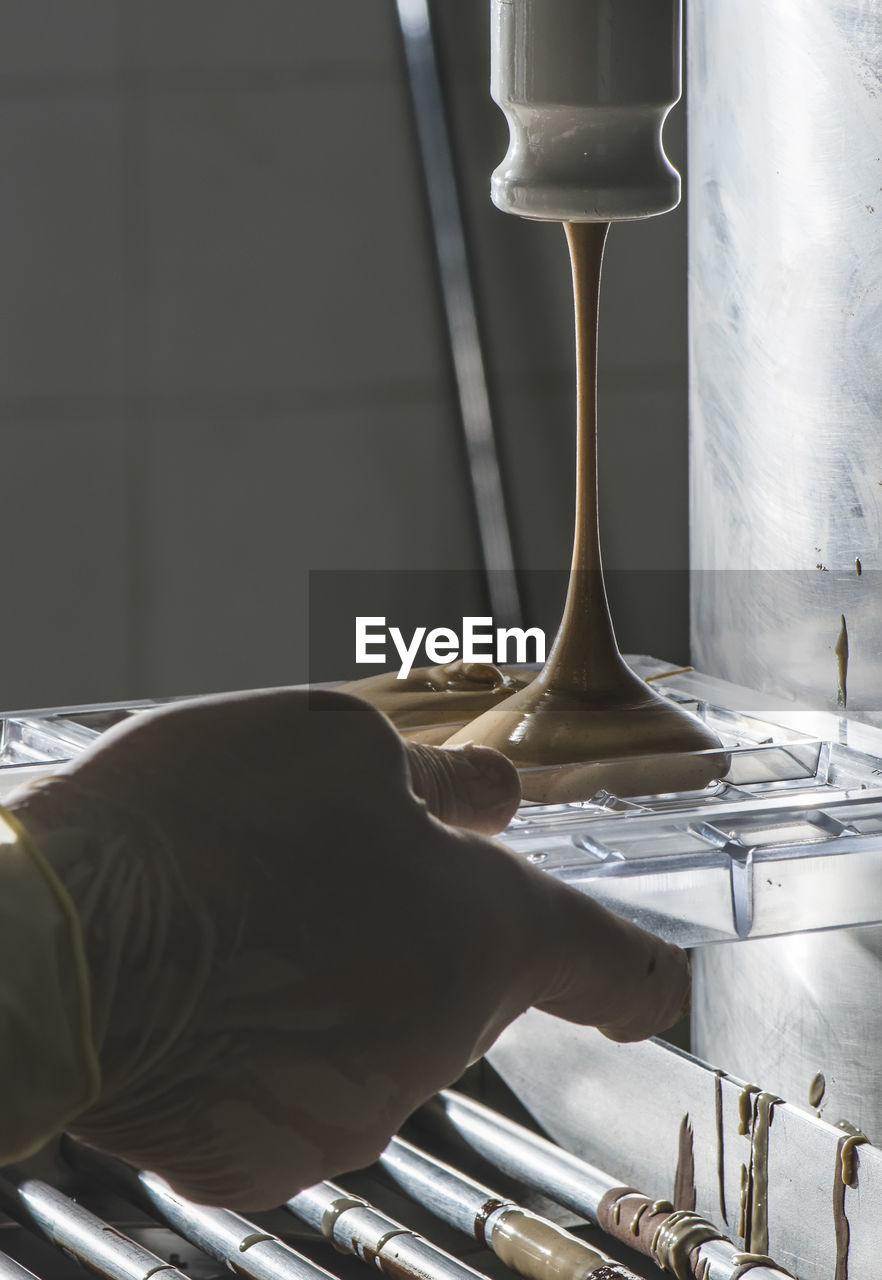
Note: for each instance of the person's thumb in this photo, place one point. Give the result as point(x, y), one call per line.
point(468, 786)
point(611, 974)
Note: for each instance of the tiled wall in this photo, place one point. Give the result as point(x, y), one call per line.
point(222, 359)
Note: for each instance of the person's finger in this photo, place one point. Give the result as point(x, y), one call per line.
point(468, 786)
point(611, 974)
point(672, 985)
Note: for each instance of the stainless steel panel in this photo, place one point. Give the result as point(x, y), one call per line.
point(782, 1010)
point(620, 1108)
point(785, 163)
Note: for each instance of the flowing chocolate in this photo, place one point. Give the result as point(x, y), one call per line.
point(587, 721)
point(429, 701)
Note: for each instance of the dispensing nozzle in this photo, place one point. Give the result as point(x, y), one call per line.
point(585, 86)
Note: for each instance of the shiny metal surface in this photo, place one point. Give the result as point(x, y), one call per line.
point(585, 86)
point(66, 1224)
point(526, 1156)
point(785, 157)
point(234, 1241)
point(231, 1239)
point(563, 1177)
point(11, 1270)
point(448, 1193)
point(783, 1010)
point(785, 203)
point(620, 1106)
point(484, 1214)
point(536, 1247)
point(356, 1227)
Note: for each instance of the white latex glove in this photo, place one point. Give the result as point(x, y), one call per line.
point(288, 953)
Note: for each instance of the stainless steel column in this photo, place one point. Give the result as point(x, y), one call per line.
point(785, 225)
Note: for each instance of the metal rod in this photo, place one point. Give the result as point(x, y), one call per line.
point(524, 1155)
point(593, 1194)
point(356, 1227)
point(12, 1270)
point(234, 1241)
point(459, 306)
point(67, 1225)
point(531, 1245)
point(447, 1193)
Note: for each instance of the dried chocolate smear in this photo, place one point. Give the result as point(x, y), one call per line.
point(840, 1222)
point(721, 1164)
point(684, 1178)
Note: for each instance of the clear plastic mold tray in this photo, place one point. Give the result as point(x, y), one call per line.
point(34, 743)
point(789, 841)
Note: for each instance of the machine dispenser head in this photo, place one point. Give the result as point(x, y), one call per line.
point(585, 86)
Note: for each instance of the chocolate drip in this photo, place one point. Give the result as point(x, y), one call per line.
point(684, 1177)
point(721, 1164)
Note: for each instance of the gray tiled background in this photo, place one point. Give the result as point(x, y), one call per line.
point(222, 358)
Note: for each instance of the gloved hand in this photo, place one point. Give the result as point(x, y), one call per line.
point(288, 953)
